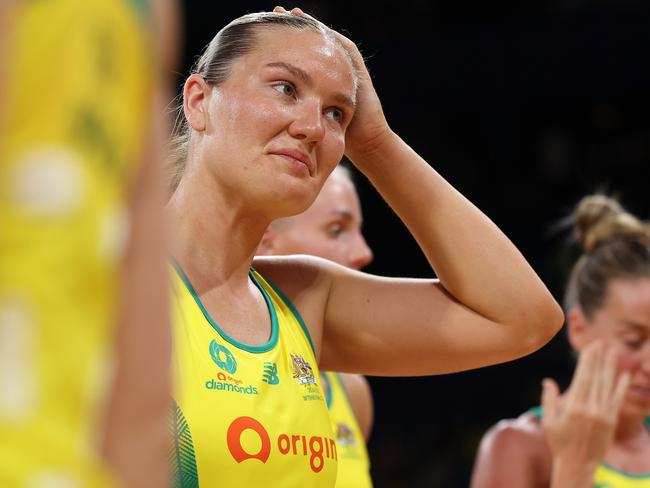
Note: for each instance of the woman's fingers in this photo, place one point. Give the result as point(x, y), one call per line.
point(580, 424)
point(596, 388)
point(620, 391)
point(582, 383)
point(608, 376)
point(294, 11)
point(550, 398)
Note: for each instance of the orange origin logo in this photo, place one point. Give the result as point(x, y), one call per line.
point(318, 448)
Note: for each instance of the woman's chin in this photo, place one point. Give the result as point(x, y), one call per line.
point(636, 407)
point(292, 201)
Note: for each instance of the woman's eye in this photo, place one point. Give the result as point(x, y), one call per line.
point(285, 88)
point(336, 114)
point(633, 342)
point(334, 230)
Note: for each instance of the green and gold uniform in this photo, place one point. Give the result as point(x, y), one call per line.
point(247, 416)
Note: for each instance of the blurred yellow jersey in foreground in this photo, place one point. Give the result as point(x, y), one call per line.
point(75, 109)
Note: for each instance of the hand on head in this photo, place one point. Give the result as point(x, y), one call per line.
point(294, 11)
point(369, 128)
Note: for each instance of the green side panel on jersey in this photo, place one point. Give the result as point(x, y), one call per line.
point(182, 460)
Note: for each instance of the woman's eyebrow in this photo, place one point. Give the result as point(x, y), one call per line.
point(294, 70)
point(306, 78)
point(343, 214)
point(637, 326)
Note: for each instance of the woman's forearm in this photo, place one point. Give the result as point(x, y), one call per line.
point(474, 260)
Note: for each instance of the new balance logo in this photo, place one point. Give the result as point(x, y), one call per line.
point(270, 374)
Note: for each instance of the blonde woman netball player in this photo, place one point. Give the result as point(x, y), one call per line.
point(275, 101)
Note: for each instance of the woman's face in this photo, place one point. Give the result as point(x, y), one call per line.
point(624, 321)
point(275, 129)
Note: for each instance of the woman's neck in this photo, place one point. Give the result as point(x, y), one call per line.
point(631, 431)
point(213, 239)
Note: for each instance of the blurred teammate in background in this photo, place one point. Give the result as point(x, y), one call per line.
point(597, 433)
point(331, 229)
point(84, 333)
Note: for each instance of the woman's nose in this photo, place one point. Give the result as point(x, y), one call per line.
point(308, 121)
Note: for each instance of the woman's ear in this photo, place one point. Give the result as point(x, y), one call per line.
point(195, 96)
point(577, 328)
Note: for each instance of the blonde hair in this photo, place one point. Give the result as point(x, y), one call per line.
point(616, 245)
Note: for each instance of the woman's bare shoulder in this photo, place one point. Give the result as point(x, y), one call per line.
point(523, 430)
point(296, 273)
point(514, 450)
point(520, 438)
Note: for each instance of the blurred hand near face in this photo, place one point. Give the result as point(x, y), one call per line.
point(580, 425)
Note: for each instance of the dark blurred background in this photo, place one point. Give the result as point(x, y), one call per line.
point(524, 107)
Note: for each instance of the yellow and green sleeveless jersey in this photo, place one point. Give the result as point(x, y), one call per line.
point(75, 109)
point(607, 476)
point(354, 465)
point(247, 416)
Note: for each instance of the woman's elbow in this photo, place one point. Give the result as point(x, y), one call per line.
point(543, 320)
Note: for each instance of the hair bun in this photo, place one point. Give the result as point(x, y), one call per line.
point(599, 218)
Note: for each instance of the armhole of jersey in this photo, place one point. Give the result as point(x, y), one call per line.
point(329, 391)
point(342, 386)
point(295, 312)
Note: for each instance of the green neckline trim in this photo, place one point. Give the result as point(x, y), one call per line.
point(240, 345)
point(625, 473)
point(295, 313)
point(538, 412)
